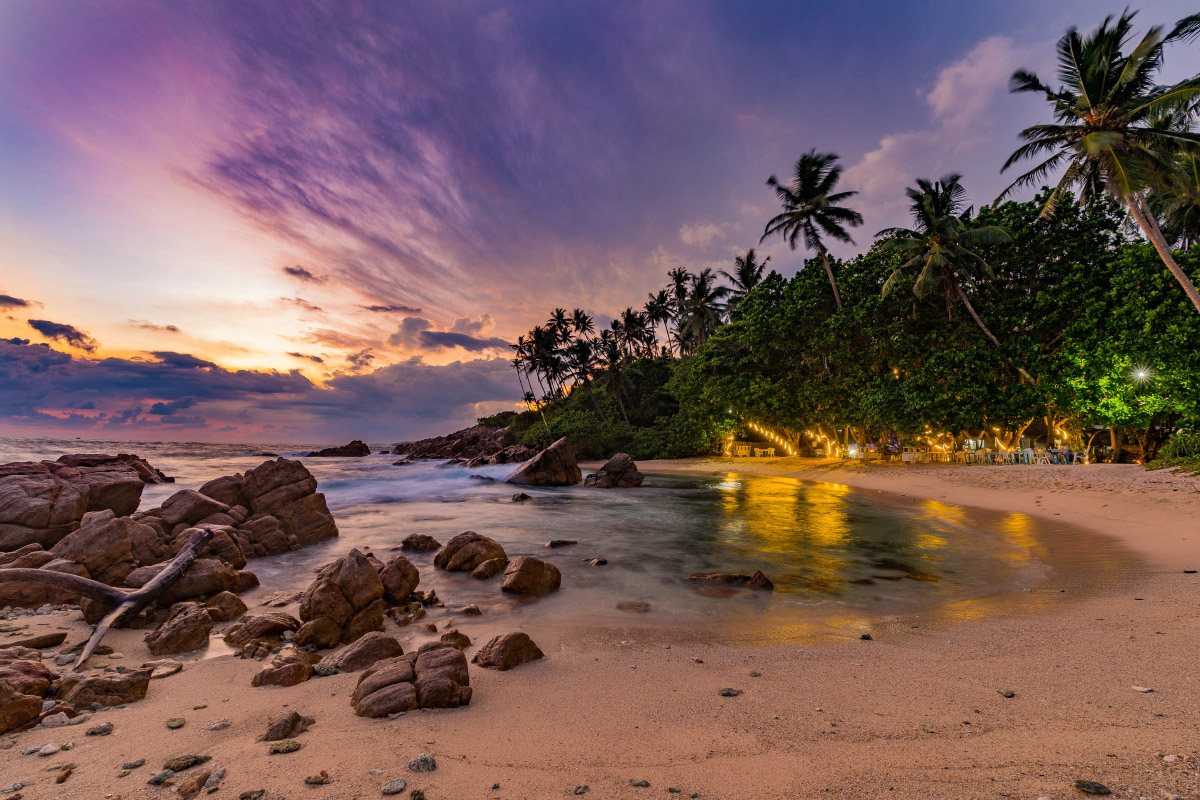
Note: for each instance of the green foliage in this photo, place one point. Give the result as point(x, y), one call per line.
point(1181, 452)
point(500, 420)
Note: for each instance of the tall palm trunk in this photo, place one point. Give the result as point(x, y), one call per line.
point(837, 298)
point(1149, 226)
point(971, 310)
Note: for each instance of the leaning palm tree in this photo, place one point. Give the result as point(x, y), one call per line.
point(939, 246)
point(614, 378)
point(1104, 135)
point(810, 208)
point(747, 273)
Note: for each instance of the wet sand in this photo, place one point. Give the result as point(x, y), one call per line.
point(914, 712)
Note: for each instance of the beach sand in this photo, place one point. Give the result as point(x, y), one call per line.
point(916, 712)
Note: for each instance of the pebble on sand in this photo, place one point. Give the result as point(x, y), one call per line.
point(395, 786)
point(423, 763)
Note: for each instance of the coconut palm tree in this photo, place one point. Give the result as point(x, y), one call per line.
point(702, 309)
point(939, 246)
point(811, 208)
point(614, 376)
point(658, 311)
point(1104, 136)
point(747, 273)
point(1178, 202)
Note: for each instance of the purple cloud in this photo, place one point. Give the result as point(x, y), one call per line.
point(60, 331)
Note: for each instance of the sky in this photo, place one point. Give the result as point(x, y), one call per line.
point(317, 221)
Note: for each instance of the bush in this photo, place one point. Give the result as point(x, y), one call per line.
point(1182, 452)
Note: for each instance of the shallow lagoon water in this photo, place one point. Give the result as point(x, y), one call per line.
point(841, 559)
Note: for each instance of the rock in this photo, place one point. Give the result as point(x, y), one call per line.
point(1007, 692)
point(145, 471)
point(478, 440)
point(520, 497)
point(507, 651)
point(866, 637)
point(186, 628)
point(24, 594)
point(530, 576)
point(727, 692)
point(175, 723)
point(267, 627)
point(642, 784)
point(554, 466)
point(467, 551)
point(320, 779)
point(103, 729)
point(618, 471)
point(400, 578)
point(193, 785)
point(561, 543)
point(433, 677)
point(596, 562)
point(423, 763)
point(17, 708)
point(456, 639)
point(362, 653)
point(225, 606)
point(581, 789)
point(221, 724)
point(131, 765)
point(490, 568)
point(204, 578)
point(1092, 787)
point(756, 581)
point(107, 689)
point(343, 603)
point(286, 746)
point(286, 490)
point(630, 605)
point(287, 726)
point(323, 670)
point(185, 762)
point(102, 545)
point(1142, 689)
point(39, 642)
point(187, 507)
point(419, 543)
point(288, 671)
point(394, 786)
point(355, 449)
point(22, 669)
point(471, 610)
point(163, 668)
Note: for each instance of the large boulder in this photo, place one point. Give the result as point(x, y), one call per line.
point(467, 551)
point(507, 651)
point(268, 627)
point(107, 689)
point(554, 466)
point(530, 576)
point(620, 471)
point(204, 578)
point(368, 649)
point(16, 707)
point(189, 507)
point(400, 577)
point(433, 677)
point(286, 490)
point(226, 606)
point(419, 543)
point(102, 545)
point(343, 603)
point(144, 469)
point(22, 668)
point(356, 449)
point(38, 508)
point(186, 628)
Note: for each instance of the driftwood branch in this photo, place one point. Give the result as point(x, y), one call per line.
point(127, 603)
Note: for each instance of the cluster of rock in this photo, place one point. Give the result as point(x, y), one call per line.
point(349, 598)
point(474, 442)
point(435, 676)
point(356, 449)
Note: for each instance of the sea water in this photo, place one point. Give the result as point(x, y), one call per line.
point(841, 559)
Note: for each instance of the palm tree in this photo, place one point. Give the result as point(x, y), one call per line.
point(747, 273)
point(1104, 135)
point(614, 378)
point(680, 280)
point(581, 321)
point(940, 245)
point(1179, 202)
point(810, 207)
point(658, 310)
point(702, 309)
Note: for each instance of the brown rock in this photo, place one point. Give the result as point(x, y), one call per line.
point(17, 708)
point(286, 726)
point(433, 677)
point(205, 577)
point(38, 508)
point(531, 576)
point(554, 466)
point(107, 689)
point(507, 651)
point(490, 568)
point(456, 639)
point(287, 672)
point(186, 628)
point(38, 642)
point(400, 577)
point(467, 551)
point(363, 652)
point(619, 471)
point(226, 490)
point(348, 594)
point(102, 545)
point(419, 543)
point(756, 581)
point(225, 607)
point(268, 627)
point(356, 449)
point(286, 490)
point(188, 507)
point(22, 668)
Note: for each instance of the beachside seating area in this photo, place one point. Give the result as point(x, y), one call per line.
point(751, 450)
point(1029, 455)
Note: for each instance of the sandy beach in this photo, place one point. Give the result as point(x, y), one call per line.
point(917, 711)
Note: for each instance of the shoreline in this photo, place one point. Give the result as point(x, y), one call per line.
point(916, 712)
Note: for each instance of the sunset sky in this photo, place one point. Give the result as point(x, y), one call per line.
point(286, 221)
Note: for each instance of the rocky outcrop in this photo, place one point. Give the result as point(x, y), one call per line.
point(620, 471)
point(204, 578)
point(554, 466)
point(225, 606)
point(343, 603)
point(356, 449)
point(400, 578)
point(286, 670)
point(102, 545)
point(756, 581)
point(478, 440)
point(107, 689)
point(186, 628)
point(16, 707)
point(268, 627)
point(22, 668)
point(144, 469)
point(467, 551)
point(367, 650)
point(507, 651)
point(530, 576)
point(41, 502)
point(433, 677)
point(419, 543)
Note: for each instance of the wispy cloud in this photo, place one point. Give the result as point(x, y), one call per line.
point(60, 331)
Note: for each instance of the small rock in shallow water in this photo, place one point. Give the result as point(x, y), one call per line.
point(1092, 787)
point(520, 497)
point(423, 763)
point(561, 543)
point(596, 562)
point(866, 637)
point(175, 723)
point(395, 786)
point(727, 692)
